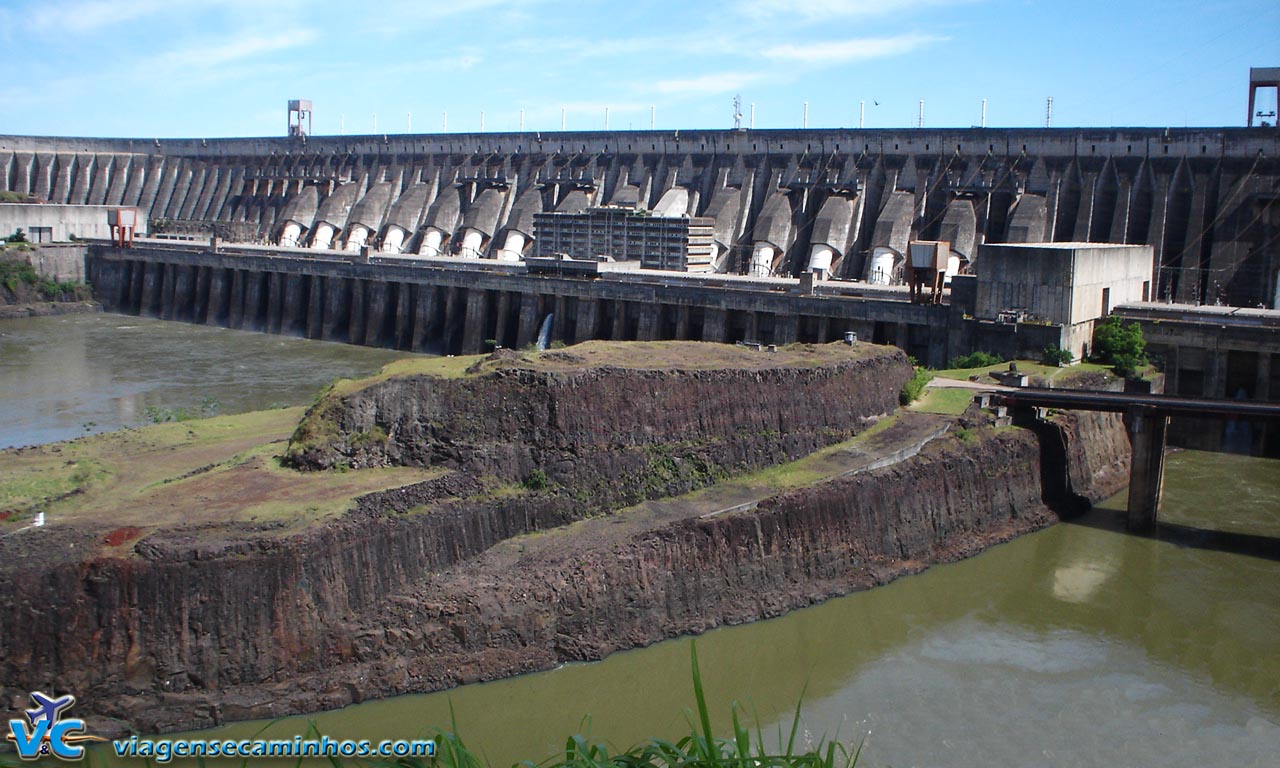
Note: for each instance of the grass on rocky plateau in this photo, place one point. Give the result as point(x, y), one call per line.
point(638, 355)
point(220, 469)
point(1049, 373)
point(948, 401)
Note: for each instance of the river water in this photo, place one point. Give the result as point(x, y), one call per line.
point(62, 377)
point(1080, 645)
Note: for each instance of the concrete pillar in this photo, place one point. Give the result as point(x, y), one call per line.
point(275, 302)
point(235, 317)
point(824, 329)
point(501, 312)
point(335, 309)
point(527, 332)
point(682, 322)
point(473, 324)
point(122, 278)
point(937, 356)
point(1215, 375)
point(1262, 390)
point(902, 332)
point(252, 301)
point(292, 311)
point(184, 293)
point(753, 326)
point(649, 321)
point(375, 310)
point(1147, 430)
point(167, 289)
point(425, 329)
point(200, 304)
point(137, 279)
point(315, 306)
point(219, 288)
point(455, 310)
point(151, 280)
point(619, 321)
point(560, 319)
point(404, 316)
point(355, 318)
point(585, 328)
point(713, 325)
point(786, 329)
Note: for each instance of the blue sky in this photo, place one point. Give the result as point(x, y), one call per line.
point(212, 68)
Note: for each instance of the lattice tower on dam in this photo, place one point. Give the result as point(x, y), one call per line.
point(783, 201)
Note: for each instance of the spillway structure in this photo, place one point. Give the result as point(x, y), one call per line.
point(843, 203)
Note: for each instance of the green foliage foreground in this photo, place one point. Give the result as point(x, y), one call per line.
point(914, 388)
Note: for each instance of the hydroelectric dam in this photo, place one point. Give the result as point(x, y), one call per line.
point(841, 202)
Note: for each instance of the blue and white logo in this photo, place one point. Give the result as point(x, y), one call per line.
point(48, 732)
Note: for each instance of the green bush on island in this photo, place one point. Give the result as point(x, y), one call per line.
point(977, 359)
point(914, 387)
point(1052, 355)
point(1120, 346)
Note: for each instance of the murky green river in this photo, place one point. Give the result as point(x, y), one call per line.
point(62, 377)
point(1080, 645)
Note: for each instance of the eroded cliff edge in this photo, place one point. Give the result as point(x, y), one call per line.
point(433, 585)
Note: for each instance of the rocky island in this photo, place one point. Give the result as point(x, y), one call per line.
point(454, 520)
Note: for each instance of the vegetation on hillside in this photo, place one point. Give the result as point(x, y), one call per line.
point(20, 279)
point(977, 359)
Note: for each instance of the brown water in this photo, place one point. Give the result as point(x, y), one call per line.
point(1078, 645)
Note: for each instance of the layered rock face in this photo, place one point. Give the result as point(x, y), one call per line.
point(611, 435)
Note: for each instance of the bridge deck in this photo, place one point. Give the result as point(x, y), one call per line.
point(1118, 402)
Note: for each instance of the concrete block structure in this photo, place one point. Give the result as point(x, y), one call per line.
point(45, 223)
point(1070, 285)
point(676, 243)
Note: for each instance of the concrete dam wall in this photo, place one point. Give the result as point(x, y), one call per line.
point(457, 307)
point(782, 200)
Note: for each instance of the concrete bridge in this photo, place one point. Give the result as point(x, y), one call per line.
point(1146, 418)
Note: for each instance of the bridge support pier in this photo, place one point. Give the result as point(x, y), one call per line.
point(1147, 430)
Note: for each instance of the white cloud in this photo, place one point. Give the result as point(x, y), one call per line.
point(721, 82)
point(844, 51)
point(815, 10)
point(234, 48)
point(90, 15)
